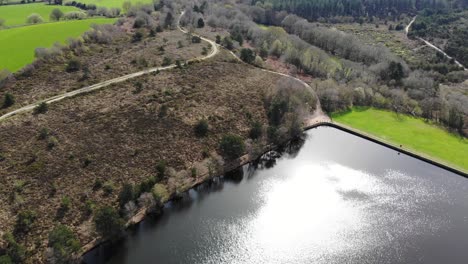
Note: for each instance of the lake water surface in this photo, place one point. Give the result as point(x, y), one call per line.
point(331, 198)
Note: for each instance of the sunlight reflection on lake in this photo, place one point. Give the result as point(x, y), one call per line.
point(333, 198)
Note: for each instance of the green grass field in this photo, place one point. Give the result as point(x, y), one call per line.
point(413, 133)
point(18, 44)
point(113, 3)
point(15, 15)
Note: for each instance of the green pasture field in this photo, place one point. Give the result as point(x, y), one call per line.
point(18, 44)
point(16, 15)
point(413, 133)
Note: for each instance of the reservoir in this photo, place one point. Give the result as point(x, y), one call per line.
point(331, 197)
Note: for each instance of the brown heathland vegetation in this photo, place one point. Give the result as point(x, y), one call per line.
point(118, 135)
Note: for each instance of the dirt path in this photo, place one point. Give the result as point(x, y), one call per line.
point(87, 89)
point(432, 45)
point(318, 114)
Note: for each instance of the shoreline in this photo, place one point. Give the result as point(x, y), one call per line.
point(245, 159)
point(421, 156)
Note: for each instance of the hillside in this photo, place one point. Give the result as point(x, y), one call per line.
point(60, 164)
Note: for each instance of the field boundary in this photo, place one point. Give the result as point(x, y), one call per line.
point(390, 145)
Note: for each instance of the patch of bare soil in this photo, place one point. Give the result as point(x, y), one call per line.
point(100, 62)
point(118, 135)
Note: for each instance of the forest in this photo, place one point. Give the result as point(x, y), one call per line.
point(314, 10)
point(347, 72)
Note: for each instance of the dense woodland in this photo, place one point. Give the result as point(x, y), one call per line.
point(316, 9)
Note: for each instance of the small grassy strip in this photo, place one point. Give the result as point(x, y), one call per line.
point(18, 44)
point(16, 15)
point(413, 133)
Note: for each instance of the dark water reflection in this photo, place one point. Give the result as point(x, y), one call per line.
point(330, 198)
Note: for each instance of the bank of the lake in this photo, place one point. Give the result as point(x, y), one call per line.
point(330, 198)
point(412, 133)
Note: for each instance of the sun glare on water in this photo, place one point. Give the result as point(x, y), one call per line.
point(324, 213)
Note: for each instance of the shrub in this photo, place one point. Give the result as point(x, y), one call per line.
point(178, 64)
point(5, 76)
point(255, 130)
point(258, 61)
point(126, 194)
point(227, 43)
point(193, 172)
point(138, 36)
point(180, 44)
point(74, 15)
point(161, 169)
point(247, 55)
point(65, 204)
point(48, 53)
point(146, 185)
point(73, 65)
point(52, 142)
point(200, 23)
point(232, 146)
point(43, 133)
point(25, 221)
point(196, 39)
point(89, 207)
point(108, 187)
point(64, 244)
point(97, 184)
point(18, 186)
point(201, 128)
point(163, 111)
point(5, 259)
point(295, 127)
point(14, 251)
point(34, 19)
point(273, 134)
point(166, 61)
point(160, 193)
point(276, 111)
point(138, 87)
point(142, 19)
point(41, 108)
point(108, 222)
point(56, 14)
point(218, 39)
point(53, 189)
point(8, 100)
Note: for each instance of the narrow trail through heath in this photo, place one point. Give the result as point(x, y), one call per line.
point(97, 86)
point(432, 45)
point(318, 115)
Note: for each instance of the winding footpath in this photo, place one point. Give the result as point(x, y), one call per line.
point(432, 45)
point(97, 86)
point(214, 50)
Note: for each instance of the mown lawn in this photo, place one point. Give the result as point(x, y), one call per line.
point(18, 44)
point(413, 133)
point(113, 3)
point(15, 15)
